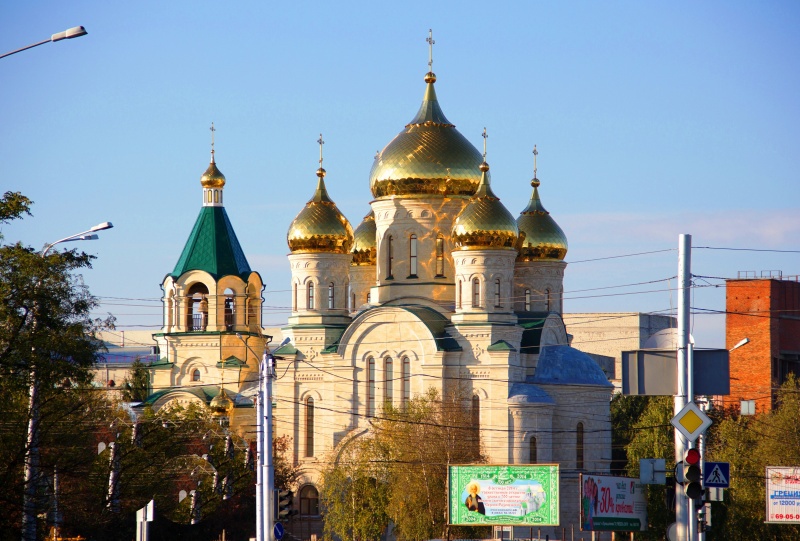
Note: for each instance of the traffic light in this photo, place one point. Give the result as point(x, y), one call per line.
point(285, 503)
point(692, 475)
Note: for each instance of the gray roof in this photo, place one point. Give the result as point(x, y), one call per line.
point(565, 365)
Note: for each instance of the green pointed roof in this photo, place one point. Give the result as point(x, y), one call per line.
point(213, 247)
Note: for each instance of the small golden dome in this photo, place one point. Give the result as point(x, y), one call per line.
point(365, 243)
point(212, 178)
point(429, 158)
point(320, 227)
point(221, 405)
point(540, 235)
point(485, 223)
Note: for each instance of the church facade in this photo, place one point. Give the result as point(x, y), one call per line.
point(438, 286)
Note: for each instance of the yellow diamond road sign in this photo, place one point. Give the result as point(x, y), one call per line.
point(691, 421)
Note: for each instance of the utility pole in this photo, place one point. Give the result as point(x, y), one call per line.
point(685, 518)
point(268, 370)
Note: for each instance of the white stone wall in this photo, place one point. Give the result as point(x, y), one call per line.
point(320, 269)
point(545, 280)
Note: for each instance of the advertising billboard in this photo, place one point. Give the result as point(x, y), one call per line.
point(783, 495)
point(503, 495)
point(611, 503)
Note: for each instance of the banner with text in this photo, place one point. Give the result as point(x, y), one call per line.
point(612, 504)
point(783, 495)
point(503, 495)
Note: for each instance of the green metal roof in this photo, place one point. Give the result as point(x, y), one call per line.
point(532, 324)
point(232, 362)
point(213, 247)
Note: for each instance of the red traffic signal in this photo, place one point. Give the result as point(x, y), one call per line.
point(692, 475)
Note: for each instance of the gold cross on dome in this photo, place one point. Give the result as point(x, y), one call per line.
point(212, 137)
point(431, 42)
point(535, 153)
point(321, 142)
point(485, 137)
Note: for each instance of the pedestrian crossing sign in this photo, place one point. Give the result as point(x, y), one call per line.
point(717, 474)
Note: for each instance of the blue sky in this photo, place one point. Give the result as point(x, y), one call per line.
point(651, 120)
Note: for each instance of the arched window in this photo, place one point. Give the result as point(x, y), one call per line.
point(439, 257)
point(330, 296)
point(406, 381)
point(230, 309)
point(309, 426)
point(388, 381)
point(458, 294)
point(527, 300)
point(368, 297)
point(476, 293)
point(196, 375)
point(533, 454)
point(547, 299)
point(389, 258)
point(309, 501)
point(216, 196)
point(579, 446)
point(352, 301)
point(294, 298)
point(412, 256)
point(497, 292)
point(310, 296)
point(197, 308)
point(370, 387)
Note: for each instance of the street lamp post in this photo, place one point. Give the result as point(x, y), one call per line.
point(32, 443)
point(74, 32)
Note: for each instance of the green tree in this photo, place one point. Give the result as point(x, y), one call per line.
point(136, 385)
point(400, 469)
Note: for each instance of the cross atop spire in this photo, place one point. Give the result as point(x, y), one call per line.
point(431, 42)
point(321, 142)
point(535, 153)
point(485, 137)
point(212, 141)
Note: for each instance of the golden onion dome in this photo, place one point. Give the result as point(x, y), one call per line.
point(212, 178)
point(429, 158)
point(320, 227)
point(540, 235)
point(221, 405)
point(365, 243)
point(485, 223)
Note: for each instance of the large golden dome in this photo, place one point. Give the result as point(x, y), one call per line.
point(485, 222)
point(540, 235)
point(320, 227)
point(430, 157)
point(365, 243)
point(212, 178)
point(221, 405)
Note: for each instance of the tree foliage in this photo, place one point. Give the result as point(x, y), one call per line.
point(397, 473)
point(136, 386)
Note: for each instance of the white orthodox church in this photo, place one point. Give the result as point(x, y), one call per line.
point(438, 285)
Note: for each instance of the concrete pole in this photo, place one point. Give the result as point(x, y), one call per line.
point(269, 489)
point(684, 283)
point(260, 455)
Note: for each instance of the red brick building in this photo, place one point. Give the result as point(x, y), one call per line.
point(767, 311)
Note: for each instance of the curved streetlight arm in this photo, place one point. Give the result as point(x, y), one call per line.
point(74, 32)
point(83, 235)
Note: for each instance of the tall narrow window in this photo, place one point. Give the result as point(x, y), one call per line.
point(196, 375)
point(230, 309)
point(309, 426)
point(579, 446)
point(527, 300)
point(547, 299)
point(439, 257)
point(294, 298)
point(388, 381)
point(369, 296)
point(412, 256)
point(458, 294)
point(533, 451)
point(352, 302)
point(216, 196)
point(389, 257)
point(330, 296)
point(406, 381)
point(370, 387)
point(476, 293)
point(497, 292)
point(310, 296)
point(476, 418)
